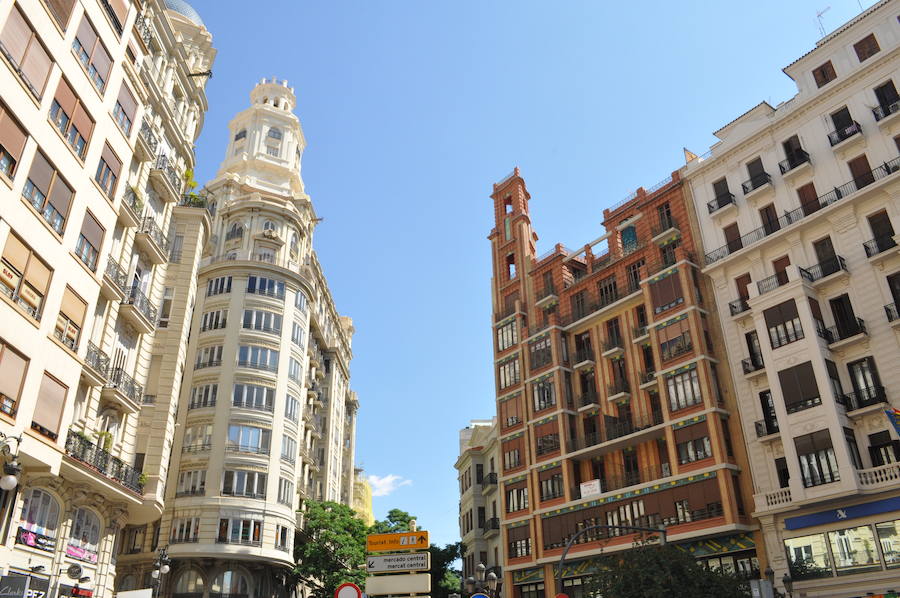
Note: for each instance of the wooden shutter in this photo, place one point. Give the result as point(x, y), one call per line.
point(16, 253)
point(781, 313)
point(12, 137)
point(36, 66)
point(83, 122)
point(809, 199)
point(120, 9)
point(815, 309)
point(50, 402)
point(860, 170)
point(73, 307)
point(92, 231)
point(12, 372)
point(127, 101)
point(86, 35)
point(742, 282)
point(733, 237)
point(522, 532)
point(111, 160)
point(65, 97)
point(41, 173)
point(549, 473)
point(62, 10)
point(101, 61)
point(61, 196)
point(691, 432)
point(15, 35)
point(38, 274)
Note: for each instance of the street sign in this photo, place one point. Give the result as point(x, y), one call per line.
point(397, 585)
point(411, 561)
point(479, 595)
point(348, 590)
point(401, 541)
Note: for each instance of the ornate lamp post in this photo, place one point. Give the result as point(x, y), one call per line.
point(161, 567)
point(481, 583)
point(11, 468)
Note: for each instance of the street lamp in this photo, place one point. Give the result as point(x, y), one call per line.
point(11, 469)
point(481, 583)
point(161, 567)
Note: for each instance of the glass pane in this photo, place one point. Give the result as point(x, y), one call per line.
point(808, 556)
point(854, 550)
point(889, 537)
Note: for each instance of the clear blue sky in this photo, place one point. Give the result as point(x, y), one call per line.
point(412, 109)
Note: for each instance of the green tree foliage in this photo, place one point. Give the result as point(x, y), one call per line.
point(397, 521)
point(648, 571)
point(331, 548)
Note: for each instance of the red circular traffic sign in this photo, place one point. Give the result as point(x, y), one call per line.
point(348, 590)
point(561, 595)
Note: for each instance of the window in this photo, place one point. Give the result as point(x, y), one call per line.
point(607, 291)
point(511, 459)
point(89, 241)
point(208, 357)
point(297, 335)
point(203, 396)
point(116, 10)
point(218, 286)
point(191, 483)
point(544, 397)
point(25, 53)
point(808, 554)
point(213, 320)
point(551, 484)
point(853, 448)
point(240, 531)
point(13, 366)
point(292, 408)
point(265, 321)
point(507, 335)
point(666, 293)
point(824, 74)
point(866, 47)
point(509, 373)
point(783, 323)
point(185, 529)
point(51, 402)
point(272, 151)
point(285, 491)
point(799, 388)
point(294, 369)
point(288, 449)
point(509, 413)
point(197, 438)
point(230, 582)
point(251, 484)
point(275, 133)
point(540, 352)
point(92, 54)
point(61, 10)
point(242, 134)
point(300, 301)
point(265, 286)
point(283, 537)
point(67, 114)
point(253, 396)
point(248, 439)
point(108, 171)
point(883, 449)
point(694, 450)
point(818, 464)
point(125, 110)
point(40, 514)
point(865, 381)
point(24, 275)
point(48, 192)
point(683, 390)
point(510, 266)
point(548, 443)
point(70, 319)
point(12, 142)
point(733, 237)
point(261, 358)
point(675, 339)
point(516, 499)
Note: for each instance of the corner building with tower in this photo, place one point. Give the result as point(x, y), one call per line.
point(266, 416)
point(614, 401)
point(798, 210)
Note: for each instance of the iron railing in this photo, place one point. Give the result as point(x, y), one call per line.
point(588, 398)
point(864, 397)
point(892, 312)
point(124, 383)
point(139, 300)
point(720, 202)
point(491, 524)
point(798, 158)
point(665, 223)
point(752, 364)
point(584, 354)
point(755, 182)
point(879, 245)
point(546, 292)
point(116, 274)
point(97, 359)
point(130, 198)
point(648, 377)
point(738, 306)
point(770, 283)
point(844, 133)
point(845, 330)
point(163, 163)
point(80, 448)
point(766, 428)
point(142, 24)
point(823, 269)
point(149, 136)
point(618, 387)
point(489, 479)
point(152, 230)
point(613, 343)
point(242, 404)
point(639, 331)
point(804, 404)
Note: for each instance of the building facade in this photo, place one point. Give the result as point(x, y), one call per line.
point(362, 498)
point(479, 503)
point(266, 417)
point(614, 405)
point(797, 207)
point(100, 110)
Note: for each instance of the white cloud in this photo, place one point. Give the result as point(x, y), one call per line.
point(383, 486)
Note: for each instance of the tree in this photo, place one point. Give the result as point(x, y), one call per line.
point(397, 521)
point(330, 549)
point(648, 571)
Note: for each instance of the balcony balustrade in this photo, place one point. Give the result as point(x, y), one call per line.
point(136, 307)
point(892, 313)
point(798, 158)
point(148, 142)
point(842, 134)
point(752, 364)
point(824, 269)
point(169, 183)
point(845, 330)
point(118, 380)
point(726, 199)
point(587, 399)
point(770, 283)
point(95, 458)
point(756, 182)
point(879, 245)
point(864, 397)
point(738, 306)
point(883, 111)
point(96, 364)
point(766, 428)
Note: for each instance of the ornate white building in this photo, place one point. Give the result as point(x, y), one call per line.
point(266, 416)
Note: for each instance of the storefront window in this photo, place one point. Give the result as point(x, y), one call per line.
point(889, 537)
point(854, 550)
point(808, 556)
point(531, 590)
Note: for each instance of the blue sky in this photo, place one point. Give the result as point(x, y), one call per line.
point(412, 109)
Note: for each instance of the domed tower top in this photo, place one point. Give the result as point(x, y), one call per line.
point(185, 10)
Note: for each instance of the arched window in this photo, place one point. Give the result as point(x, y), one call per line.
point(230, 582)
point(235, 232)
point(189, 582)
point(85, 536)
point(40, 514)
point(275, 133)
point(295, 243)
point(268, 225)
point(240, 135)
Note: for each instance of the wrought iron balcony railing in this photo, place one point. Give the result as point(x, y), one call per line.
point(80, 448)
point(798, 158)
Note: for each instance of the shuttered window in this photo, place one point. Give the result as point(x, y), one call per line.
point(108, 171)
point(68, 115)
point(89, 241)
point(866, 47)
point(666, 293)
point(809, 200)
point(783, 323)
point(824, 74)
point(25, 53)
point(24, 275)
point(799, 388)
point(48, 410)
point(126, 107)
point(92, 54)
point(13, 366)
point(48, 192)
point(70, 319)
point(12, 142)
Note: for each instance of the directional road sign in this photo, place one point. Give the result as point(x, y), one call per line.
point(401, 541)
point(399, 585)
point(412, 561)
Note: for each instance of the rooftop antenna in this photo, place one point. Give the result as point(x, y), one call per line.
point(819, 17)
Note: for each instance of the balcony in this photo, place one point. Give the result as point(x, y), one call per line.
point(618, 390)
point(892, 313)
point(753, 365)
point(710, 511)
point(200, 201)
point(251, 449)
point(123, 390)
point(865, 397)
point(588, 400)
point(837, 194)
point(546, 297)
point(115, 281)
point(648, 379)
point(196, 447)
point(845, 332)
point(165, 180)
point(682, 347)
point(824, 269)
point(239, 542)
point(144, 30)
point(613, 347)
point(584, 357)
point(615, 429)
point(738, 307)
point(130, 208)
point(665, 231)
point(793, 163)
point(766, 428)
point(147, 142)
point(803, 405)
point(152, 242)
point(137, 310)
point(613, 483)
point(489, 483)
point(242, 404)
point(96, 365)
point(878, 246)
point(877, 478)
point(639, 333)
point(756, 183)
point(98, 460)
point(718, 205)
point(770, 283)
point(886, 114)
point(773, 500)
point(258, 365)
point(839, 136)
point(491, 526)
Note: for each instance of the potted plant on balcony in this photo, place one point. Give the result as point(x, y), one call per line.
point(104, 440)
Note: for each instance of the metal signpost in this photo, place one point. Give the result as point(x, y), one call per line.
point(402, 561)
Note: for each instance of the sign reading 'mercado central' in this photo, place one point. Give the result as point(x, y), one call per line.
point(401, 541)
point(410, 561)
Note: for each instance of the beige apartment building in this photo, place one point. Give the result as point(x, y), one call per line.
point(797, 207)
point(480, 503)
point(100, 105)
point(266, 417)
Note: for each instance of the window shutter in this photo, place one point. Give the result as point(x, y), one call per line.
point(12, 372)
point(65, 97)
point(50, 402)
point(515, 534)
point(61, 196)
point(86, 35)
point(101, 61)
point(83, 122)
point(126, 99)
point(92, 231)
point(16, 253)
point(111, 160)
point(41, 173)
point(36, 66)
point(15, 35)
point(38, 275)
point(62, 10)
point(73, 307)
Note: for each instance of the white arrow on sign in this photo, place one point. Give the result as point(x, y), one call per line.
point(412, 583)
point(412, 561)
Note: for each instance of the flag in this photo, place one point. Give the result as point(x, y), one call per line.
point(689, 156)
point(893, 415)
